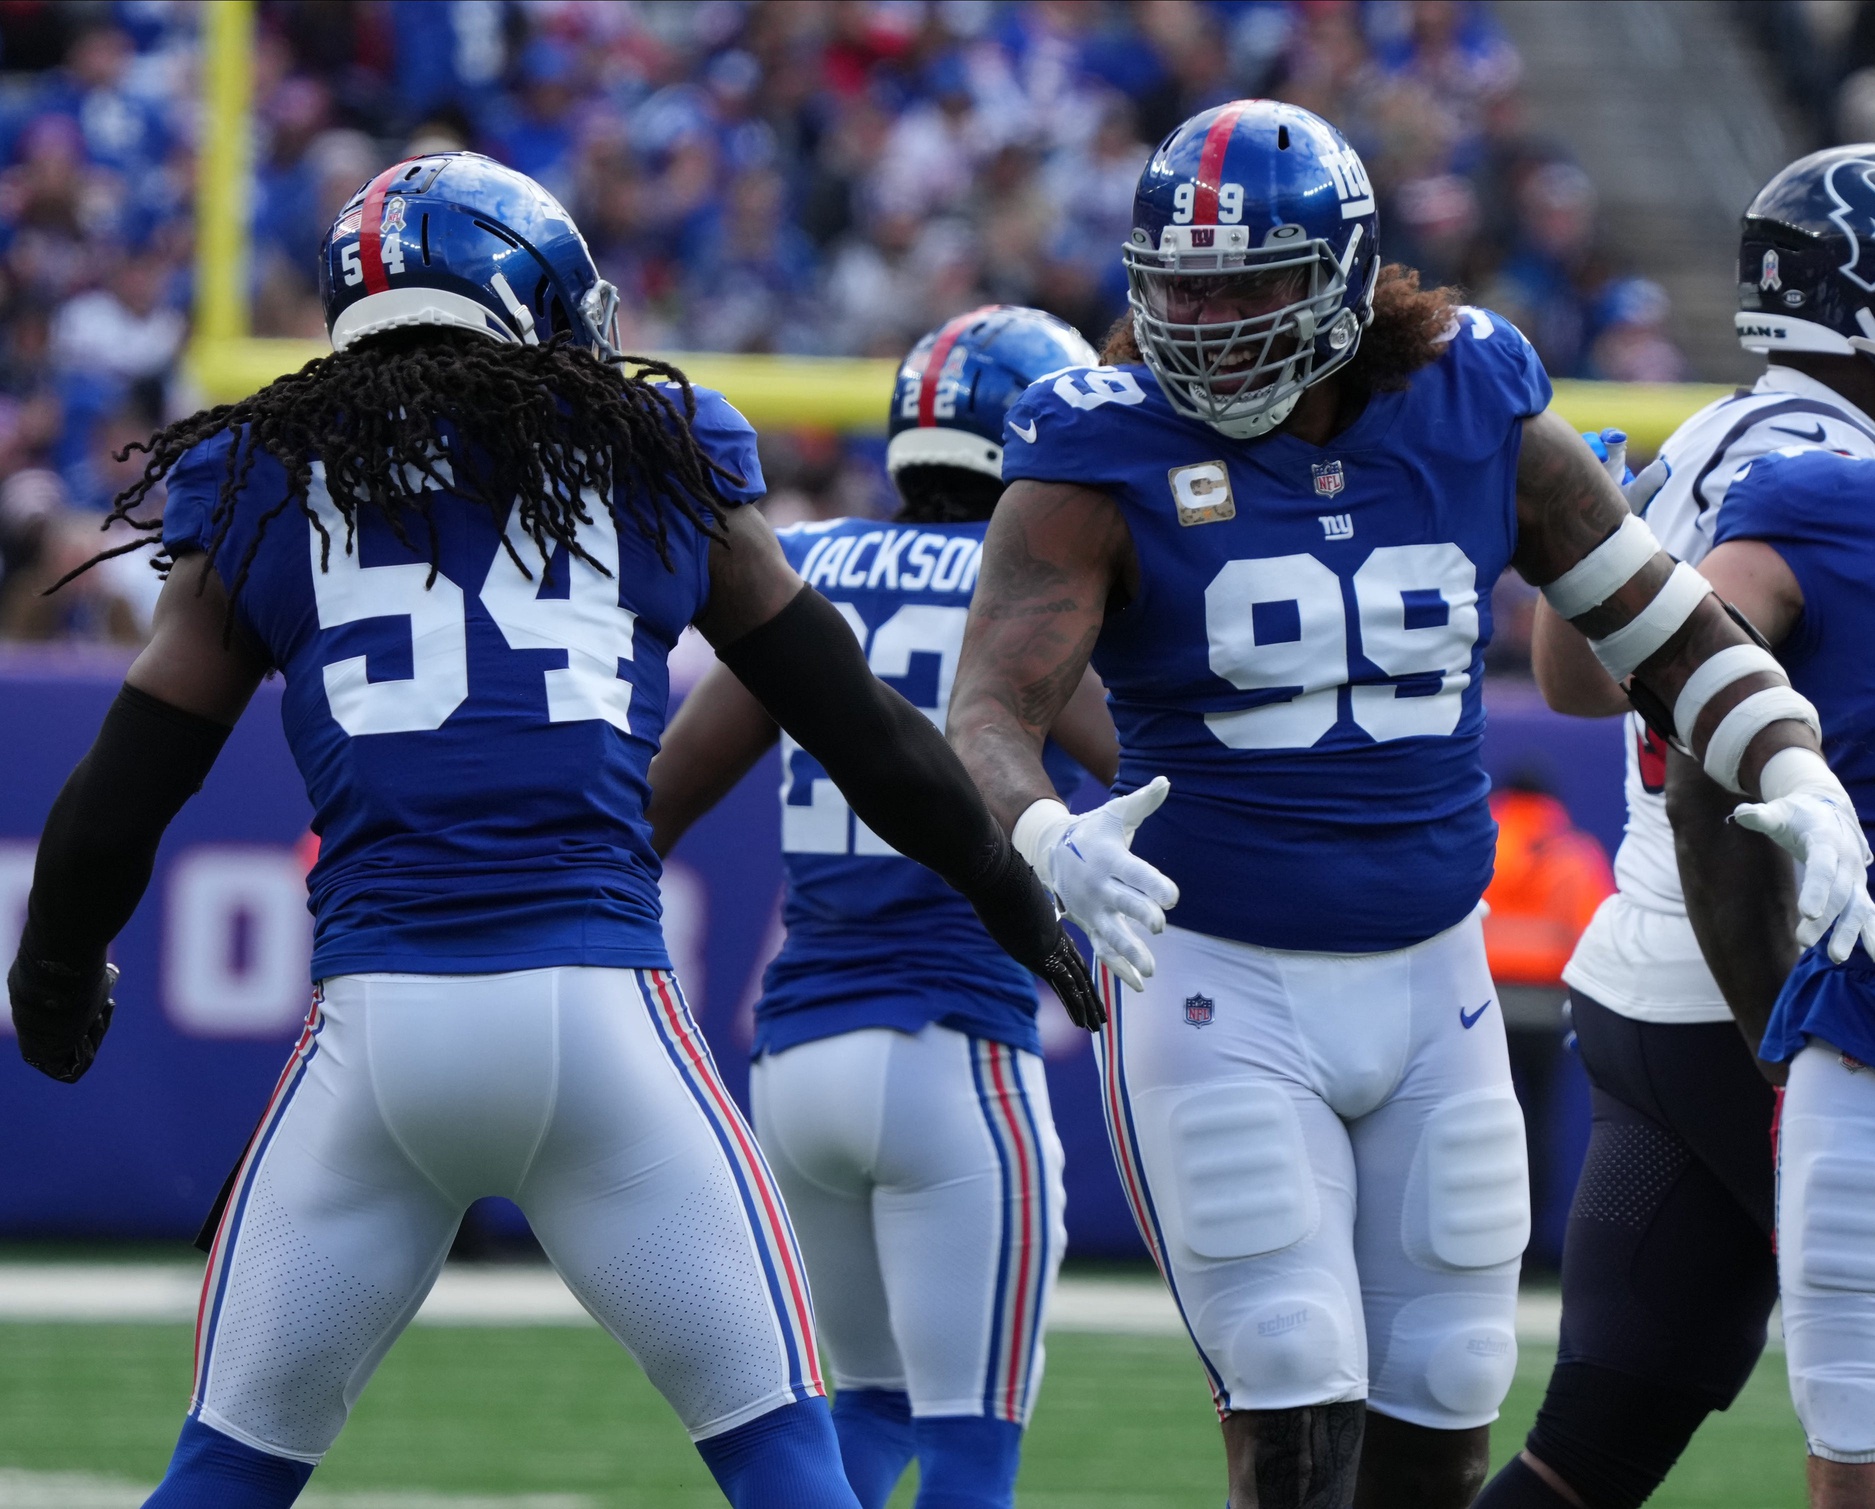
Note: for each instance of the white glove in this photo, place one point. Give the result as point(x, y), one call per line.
point(1807, 812)
point(1088, 863)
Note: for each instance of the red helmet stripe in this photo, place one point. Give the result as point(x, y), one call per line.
point(940, 351)
point(1211, 161)
point(371, 230)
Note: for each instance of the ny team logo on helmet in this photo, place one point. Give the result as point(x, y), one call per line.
point(456, 239)
point(1263, 205)
point(1806, 257)
point(959, 382)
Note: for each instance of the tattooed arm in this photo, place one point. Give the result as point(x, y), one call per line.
point(1657, 626)
point(1566, 506)
point(1053, 559)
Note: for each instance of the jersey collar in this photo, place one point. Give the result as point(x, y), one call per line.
point(1778, 379)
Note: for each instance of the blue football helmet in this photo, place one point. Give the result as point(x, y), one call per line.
point(958, 383)
point(456, 239)
point(1806, 258)
point(1255, 204)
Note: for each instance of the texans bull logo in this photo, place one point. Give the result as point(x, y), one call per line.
point(1852, 185)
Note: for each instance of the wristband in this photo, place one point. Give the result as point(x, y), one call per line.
point(1035, 833)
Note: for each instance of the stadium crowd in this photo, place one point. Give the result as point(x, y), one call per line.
point(801, 178)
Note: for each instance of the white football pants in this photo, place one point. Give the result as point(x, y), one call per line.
point(1325, 1155)
point(924, 1177)
point(587, 1097)
point(1826, 1249)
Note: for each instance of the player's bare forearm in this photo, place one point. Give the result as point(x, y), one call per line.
point(1567, 673)
point(1741, 897)
point(1567, 506)
point(716, 736)
point(1085, 730)
point(1053, 559)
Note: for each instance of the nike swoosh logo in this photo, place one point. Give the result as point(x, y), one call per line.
point(1816, 439)
point(1472, 1019)
point(1029, 433)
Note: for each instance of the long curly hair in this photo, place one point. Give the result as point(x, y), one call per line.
point(1409, 327)
point(535, 424)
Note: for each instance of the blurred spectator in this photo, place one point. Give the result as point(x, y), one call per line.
point(41, 540)
point(765, 176)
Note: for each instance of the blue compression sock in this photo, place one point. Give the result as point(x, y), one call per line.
point(967, 1462)
point(876, 1440)
point(788, 1458)
point(213, 1471)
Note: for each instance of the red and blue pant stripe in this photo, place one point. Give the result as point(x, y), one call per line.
point(782, 1267)
point(1023, 1262)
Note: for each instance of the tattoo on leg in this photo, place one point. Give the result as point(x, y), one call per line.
point(1307, 1458)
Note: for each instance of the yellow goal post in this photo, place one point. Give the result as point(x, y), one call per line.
point(850, 394)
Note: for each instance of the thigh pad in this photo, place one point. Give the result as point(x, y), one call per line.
point(1239, 1171)
point(1469, 1205)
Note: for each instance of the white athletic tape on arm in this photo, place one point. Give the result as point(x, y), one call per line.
point(1745, 722)
point(1606, 569)
point(1622, 652)
point(1797, 769)
point(1035, 834)
point(1710, 677)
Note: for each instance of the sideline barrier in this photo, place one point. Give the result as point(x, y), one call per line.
point(215, 985)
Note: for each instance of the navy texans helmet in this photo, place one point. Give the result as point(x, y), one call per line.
point(1261, 205)
point(962, 378)
point(1806, 260)
point(456, 239)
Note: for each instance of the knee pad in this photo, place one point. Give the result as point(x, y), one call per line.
point(1449, 1361)
point(1610, 1437)
point(1829, 1347)
point(1468, 1198)
point(1239, 1171)
point(1298, 1346)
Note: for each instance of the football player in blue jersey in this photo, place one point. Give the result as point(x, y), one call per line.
point(898, 1086)
point(468, 540)
point(1669, 1271)
point(1274, 522)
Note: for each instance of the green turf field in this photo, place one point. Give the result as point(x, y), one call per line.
point(1123, 1421)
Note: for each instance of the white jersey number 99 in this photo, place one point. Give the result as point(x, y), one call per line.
point(1416, 610)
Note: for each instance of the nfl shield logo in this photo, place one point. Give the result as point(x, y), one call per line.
point(1768, 274)
point(1328, 477)
point(1199, 1010)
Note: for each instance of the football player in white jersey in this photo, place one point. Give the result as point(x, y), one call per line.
point(1273, 524)
point(1668, 1268)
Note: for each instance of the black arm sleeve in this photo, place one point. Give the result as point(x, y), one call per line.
point(100, 838)
point(894, 768)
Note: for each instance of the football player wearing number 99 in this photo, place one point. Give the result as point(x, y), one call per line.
point(468, 540)
point(1274, 523)
point(898, 1086)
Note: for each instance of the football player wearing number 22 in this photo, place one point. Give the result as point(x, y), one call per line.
point(1273, 525)
point(468, 541)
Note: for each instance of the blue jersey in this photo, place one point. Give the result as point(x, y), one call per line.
point(475, 747)
point(1813, 508)
point(1304, 654)
point(875, 939)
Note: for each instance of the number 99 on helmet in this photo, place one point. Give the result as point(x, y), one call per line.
point(1252, 261)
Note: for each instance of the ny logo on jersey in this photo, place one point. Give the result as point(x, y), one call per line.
point(1328, 476)
point(1200, 1011)
point(1337, 526)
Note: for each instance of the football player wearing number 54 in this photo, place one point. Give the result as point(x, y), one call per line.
point(1273, 523)
point(468, 541)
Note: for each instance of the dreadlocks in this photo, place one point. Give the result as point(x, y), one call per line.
point(401, 414)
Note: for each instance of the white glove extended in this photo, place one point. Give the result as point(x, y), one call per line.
point(1088, 863)
point(1806, 811)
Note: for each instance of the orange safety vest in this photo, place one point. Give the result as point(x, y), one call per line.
point(1550, 878)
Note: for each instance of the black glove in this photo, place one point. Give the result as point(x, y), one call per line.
point(61, 1014)
point(1020, 916)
